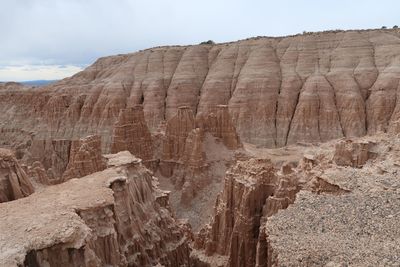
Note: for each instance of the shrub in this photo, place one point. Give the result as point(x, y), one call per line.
point(209, 42)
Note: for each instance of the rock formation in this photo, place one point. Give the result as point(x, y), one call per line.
point(38, 172)
point(131, 134)
point(355, 154)
point(54, 154)
point(266, 106)
point(343, 205)
point(220, 125)
point(194, 176)
point(85, 158)
point(14, 183)
point(252, 192)
point(312, 87)
point(110, 218)
point(176, 133)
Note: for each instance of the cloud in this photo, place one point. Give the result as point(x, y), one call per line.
point(77, 32)
point(37, 72)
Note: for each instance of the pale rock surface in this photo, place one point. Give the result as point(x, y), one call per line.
point(109, 218)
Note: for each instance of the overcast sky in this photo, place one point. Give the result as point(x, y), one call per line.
point(52, 39)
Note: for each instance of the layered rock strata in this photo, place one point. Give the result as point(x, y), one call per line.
point(14, 183)
point(85, 158)
point(184, 155)
point(354, 154)
point(54, 155)
point(253, 191)
point(279, 91)
point(110, 218)
point(176, 133)
point(132, 134)
point(220, 125)
point(195, 175)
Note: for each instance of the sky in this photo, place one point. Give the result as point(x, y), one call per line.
point(53, 39)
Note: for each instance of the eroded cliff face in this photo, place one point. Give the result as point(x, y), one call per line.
point(253, 191)
point(85, 158)
point(132, 134)
point(110, 218)
point(188, 155)
point(308, 88)
point(14, 183)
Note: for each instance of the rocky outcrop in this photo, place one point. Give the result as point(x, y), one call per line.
point(39, 173)
point(354, 154)
point(53, 154)
point(220, 125)
point(311, 87)
point(176, 133)
point(85, 158)
point(110, 218)
point(340, 206)
point(194, 176)
point(14, 183)
point(184, 154)
point(253, 191)
point(132, 134)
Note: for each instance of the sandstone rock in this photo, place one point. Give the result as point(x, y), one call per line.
point(252, 192)
point(354, 154)
point(195, 175)
point(220, 125)
point(131, 134)
point(110, 218)
point(313, 87)
point(177, 130)
point(14, 183)
point(85, 158)
point(52, 154)
point(39, 173)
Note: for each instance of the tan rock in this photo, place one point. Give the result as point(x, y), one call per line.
point(177, 130)
point(220, 125)
point(52, 154)
point(14, 183)
point(110, 218)
point(279, 90)
point(354, 154)
point(131, 133)
point(85, 158)
point(252, 192)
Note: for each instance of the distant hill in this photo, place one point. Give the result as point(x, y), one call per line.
point(38, 82)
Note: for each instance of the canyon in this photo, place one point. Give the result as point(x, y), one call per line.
point(269, 151)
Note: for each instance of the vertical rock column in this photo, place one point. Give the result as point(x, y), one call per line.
point(178, 128)
point(132, 134)
point(85, 158)
point(14, 183)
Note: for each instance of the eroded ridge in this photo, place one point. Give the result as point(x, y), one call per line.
point(112, 217)
point(308, 88)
